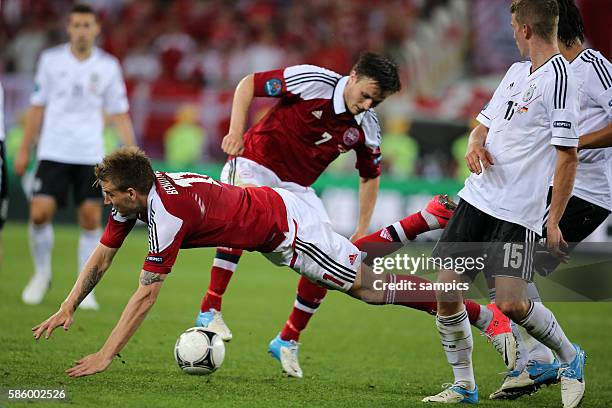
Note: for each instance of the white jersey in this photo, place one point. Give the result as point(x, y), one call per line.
point(2, 135)
point(593, 75)
point(74, 94)
point(529, 114)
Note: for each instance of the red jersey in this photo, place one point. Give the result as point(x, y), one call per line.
point(188, 210)
point(310, 126)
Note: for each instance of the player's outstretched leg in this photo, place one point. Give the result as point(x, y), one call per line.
point(284, 347)
point(41, 245)
point(454, 328)
point(224, 266)
point(540, 323)
point(536, 366)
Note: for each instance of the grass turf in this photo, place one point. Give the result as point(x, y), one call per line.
point(352, 354)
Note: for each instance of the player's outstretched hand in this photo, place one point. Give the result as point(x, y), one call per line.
point(233, 144)
point(62, 317)
point(556, 244)
point(478, 157)
point(88, 365)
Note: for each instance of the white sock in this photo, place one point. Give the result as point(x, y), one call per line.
point(88, 241)
point(41, 246)
point(522, 352)
point(542, 325)
point(456, 337)
point(484, 318)
point(537, 351)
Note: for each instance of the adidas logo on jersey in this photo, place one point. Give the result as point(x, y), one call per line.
point(352, 258)
point(317, 114)
point(384, 233)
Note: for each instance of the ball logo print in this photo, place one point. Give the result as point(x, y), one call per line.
point(350, 137)
point(199, 351)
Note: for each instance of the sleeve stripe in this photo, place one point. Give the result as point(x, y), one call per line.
point(153, 239)
point(321, 74)
point(600, 70)
point(565, 88)
point(560, 84)
point(293, 87)
point(481, 112)
point(304, 78)
point(604, 70)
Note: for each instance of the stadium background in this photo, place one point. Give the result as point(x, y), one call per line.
point(181, 61)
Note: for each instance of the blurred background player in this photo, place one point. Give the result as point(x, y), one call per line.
point(321, 115)
point(74, 83)
point(527, 134)
point(3, 173)
point(591, 200)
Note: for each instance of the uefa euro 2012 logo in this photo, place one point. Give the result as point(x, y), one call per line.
point(274, 86)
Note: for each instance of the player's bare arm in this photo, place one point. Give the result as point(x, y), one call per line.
point(368, 193)
point(477, 157)
point(565, 173)
point(33, 121)
point(123, 124)
point(99, 261)
point(598, 139)
point(132, 317)
point(232, 143)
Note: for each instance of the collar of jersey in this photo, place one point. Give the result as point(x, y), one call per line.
point(339, 105)
point(532, 74)
point(94, 53)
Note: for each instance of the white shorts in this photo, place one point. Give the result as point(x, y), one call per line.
point(240, 171)
point(313, 249)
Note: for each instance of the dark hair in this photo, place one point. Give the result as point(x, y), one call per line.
point(540, 15)
point(127, 167)
point(571, 27)
point(83, 9)
point(381, 70)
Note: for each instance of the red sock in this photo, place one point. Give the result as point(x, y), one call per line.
point(473, 310)
point(221, 272)
point(309, 297)
point(392, 238)
point(424, 300)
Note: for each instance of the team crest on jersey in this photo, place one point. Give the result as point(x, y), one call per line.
point(273, 87)
point(350, 137)
point(529, 93)
point(352, 258)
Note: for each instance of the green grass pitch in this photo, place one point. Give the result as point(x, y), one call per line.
point(352, 354)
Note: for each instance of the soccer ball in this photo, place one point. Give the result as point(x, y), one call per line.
point(199, 351)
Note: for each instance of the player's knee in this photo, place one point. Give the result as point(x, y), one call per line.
point(40, 215)
point(89, 217)
point(89, 222)
point(514, 309)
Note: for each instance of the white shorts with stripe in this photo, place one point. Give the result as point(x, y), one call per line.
point(313, 249)
point(240, 171)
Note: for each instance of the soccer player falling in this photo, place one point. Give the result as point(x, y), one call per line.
point(187, 210)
